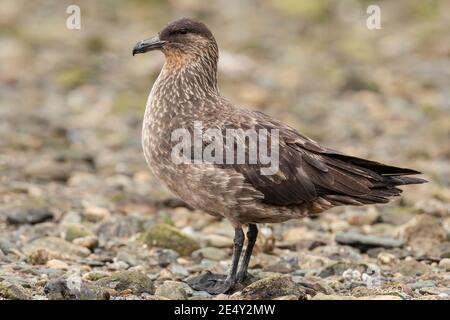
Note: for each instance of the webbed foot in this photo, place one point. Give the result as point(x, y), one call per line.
point(211, 283)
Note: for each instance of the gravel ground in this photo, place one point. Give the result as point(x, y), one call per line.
point(81, 217)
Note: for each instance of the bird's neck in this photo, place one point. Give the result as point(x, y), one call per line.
point(190, 76)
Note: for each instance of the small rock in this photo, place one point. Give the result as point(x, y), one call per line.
point(218, 241)
point(270, 288)
point(261, 260)
point(397, 215)
point(122, 280)
point(57, 264)
point(381, 297)
point(411, 268)
point(75, 230)
point(322, 296)
point(118, 265)
point(360, 218)
point(96, 214)
point(122, 227)
point(445, 264)
point(127, 257)
point(280, 267)
point(29, 215)
point(166, 256)
point(90, 242)
point(57, 245)
point(67, 289)
point(434, 207)
point(422, 284)
point(173, 290)
point(13, 292)
point(95, 275)
point(6, 246)
point(294, 235)
point(340, 267)
point(339, 226)
point(179, 270)
point(41, 256)
point(424, 234)
point(48, 170)
point(165, 236)
point(387, 258)
point(289, 297)
point(210, 253)
point(365, 242)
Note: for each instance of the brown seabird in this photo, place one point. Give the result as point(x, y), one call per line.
point(310, 178)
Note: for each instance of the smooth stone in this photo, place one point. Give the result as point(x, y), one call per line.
point(360, 218)
point(57, 264)
point(179, 270)
point(445, 264)
point(340, 267)
point(25, 215)
point(165, 236)
point(96, 214)
point(136, 281)
point(90, 242)
point(165, 256)
point(218, 241)
point(6, 246)
point(210, 253)
point(73, 231)
point(173, 290)
point(48, 170)
point(411, 268)
point(57, 245)
point(422, 284)
point(365, 242)
point(387, 258)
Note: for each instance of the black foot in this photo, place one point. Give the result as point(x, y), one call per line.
point(211, 283)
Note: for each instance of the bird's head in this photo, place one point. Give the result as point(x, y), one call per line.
point(182, 41)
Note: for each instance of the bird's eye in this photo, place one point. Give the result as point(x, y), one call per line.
point(183, 31)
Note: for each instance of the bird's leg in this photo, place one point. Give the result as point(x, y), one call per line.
point(252, 234)
point(217, 283)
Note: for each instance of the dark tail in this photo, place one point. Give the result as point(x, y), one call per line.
point(383, 178)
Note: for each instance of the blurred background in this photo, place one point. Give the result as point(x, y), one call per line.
point(72, 101)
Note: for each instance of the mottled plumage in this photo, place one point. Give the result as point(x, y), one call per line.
point(311, 178)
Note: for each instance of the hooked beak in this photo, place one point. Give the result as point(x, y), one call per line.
point(149, 44)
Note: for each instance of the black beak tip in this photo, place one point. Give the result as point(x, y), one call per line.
point(136, 49)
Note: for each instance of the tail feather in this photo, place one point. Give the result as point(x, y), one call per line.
point(384, 179)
